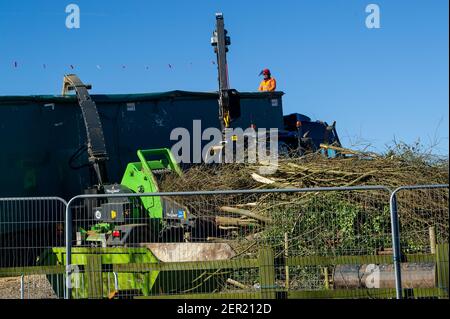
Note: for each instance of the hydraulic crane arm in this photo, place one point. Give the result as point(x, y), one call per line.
point(221, 41)
point(94, 130)
point(229, 108)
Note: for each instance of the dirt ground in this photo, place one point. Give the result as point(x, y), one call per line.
point(35, 287)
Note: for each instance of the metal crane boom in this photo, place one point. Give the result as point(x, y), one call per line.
point(220, 41)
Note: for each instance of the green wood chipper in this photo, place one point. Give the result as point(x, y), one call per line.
point(114, 226)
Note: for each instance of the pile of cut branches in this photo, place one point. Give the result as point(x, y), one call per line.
point(321, 222)
point(311, 171)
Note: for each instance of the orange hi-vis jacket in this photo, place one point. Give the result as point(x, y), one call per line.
point(268, 85)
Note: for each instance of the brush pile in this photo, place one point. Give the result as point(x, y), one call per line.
point(321, 222)
point(312, 171)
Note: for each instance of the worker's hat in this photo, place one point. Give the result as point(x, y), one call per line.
point(265, 71)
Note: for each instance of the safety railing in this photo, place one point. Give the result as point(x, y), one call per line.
point(311, 242)
point(29, 229)
point(339, 242)
point(422, 229)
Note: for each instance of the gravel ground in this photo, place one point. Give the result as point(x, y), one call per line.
point(35, 287)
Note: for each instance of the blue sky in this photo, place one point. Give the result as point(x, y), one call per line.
point(378, 84)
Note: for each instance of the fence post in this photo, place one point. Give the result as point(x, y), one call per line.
point(116, 281)
point(68, 228)
point(286, 256)
point(326, 280)
point(395, 231)
point(267, 273)
point(22, 287)
point(432, 233)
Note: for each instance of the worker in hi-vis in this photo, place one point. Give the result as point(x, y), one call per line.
point(269, 83)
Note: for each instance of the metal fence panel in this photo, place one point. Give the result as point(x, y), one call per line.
point(353, 242)
point(423, 218)
point(29, 229)
point(324, 242)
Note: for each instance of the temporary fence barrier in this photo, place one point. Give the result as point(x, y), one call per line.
point(337, 242)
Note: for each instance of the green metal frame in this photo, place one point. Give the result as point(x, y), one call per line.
point(139, 178)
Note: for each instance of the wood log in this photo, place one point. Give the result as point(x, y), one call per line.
point(262, 179)
point(414, 275)
point(245, 212)
point(237, 283)
point(247, 204)
point(233, 221)
point(228, 227)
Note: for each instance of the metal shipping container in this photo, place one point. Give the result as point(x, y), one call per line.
point(40, 134)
